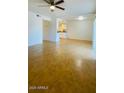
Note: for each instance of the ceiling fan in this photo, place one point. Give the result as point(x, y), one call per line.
point(52, 4)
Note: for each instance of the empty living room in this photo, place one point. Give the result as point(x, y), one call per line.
point(55, 46)
point(61, 46)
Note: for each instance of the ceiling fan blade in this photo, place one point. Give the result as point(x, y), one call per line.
point(59, 2)
point(47, 1)
point(60, 7)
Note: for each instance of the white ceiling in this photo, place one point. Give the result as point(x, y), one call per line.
point(72, 8)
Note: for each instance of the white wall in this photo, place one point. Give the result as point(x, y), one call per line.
point(53, 30)
point(82, 30)
point(50, 30)
point(94, 37)
point(46, 29)
point(35, 29)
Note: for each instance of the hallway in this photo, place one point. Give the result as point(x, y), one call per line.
point(64, 67)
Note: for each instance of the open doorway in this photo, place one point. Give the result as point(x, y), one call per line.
point(46, 30)
point(62, 29)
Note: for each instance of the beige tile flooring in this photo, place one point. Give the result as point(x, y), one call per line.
point(64, 67)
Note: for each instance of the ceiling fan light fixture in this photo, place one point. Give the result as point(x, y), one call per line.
point(52, 7)
point(80, 18)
